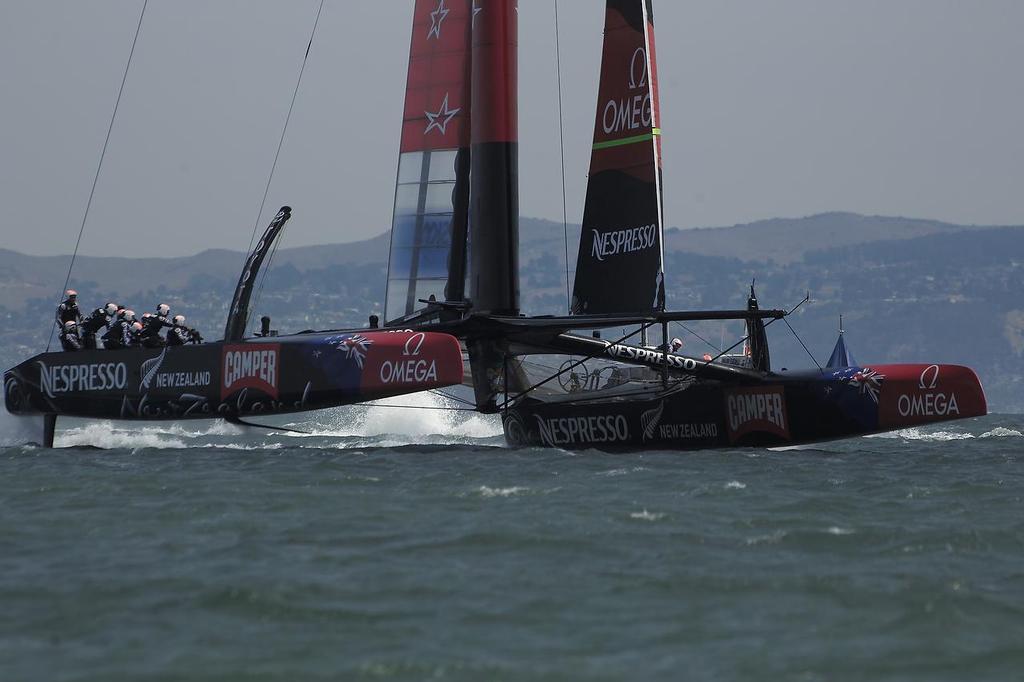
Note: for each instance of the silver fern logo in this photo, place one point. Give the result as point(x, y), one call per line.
point(149, 369)
point(650, 419)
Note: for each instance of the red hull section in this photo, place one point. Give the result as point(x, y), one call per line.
point(920, 394)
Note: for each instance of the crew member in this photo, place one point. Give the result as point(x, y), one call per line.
point(179, 334)
point(135, 334)
point(69, 340)
point(119, 334)
point(68, 310)
point(99, 319)
point(149, 335)
point(673, 346)
point(163, 312)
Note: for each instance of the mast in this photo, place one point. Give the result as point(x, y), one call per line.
point(494, 181)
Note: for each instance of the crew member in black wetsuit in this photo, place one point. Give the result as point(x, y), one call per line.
point(153, 323)
point(96, 321)
point(150, 337)
point(68, 310)
point(135, 334)
point(69, 340)
point(673, 346)
point(179, 334)
point(119, 334)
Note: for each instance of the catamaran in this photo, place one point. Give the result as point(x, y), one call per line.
point(452, 313)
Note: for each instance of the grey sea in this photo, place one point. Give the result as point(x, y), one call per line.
point(409, 544)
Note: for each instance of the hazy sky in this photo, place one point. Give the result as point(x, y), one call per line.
point(782, 108)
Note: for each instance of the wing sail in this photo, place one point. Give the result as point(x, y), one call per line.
point(620, 267)
point(430, 224)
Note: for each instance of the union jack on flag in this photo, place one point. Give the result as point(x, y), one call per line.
point(868, 382)
point(355, 348)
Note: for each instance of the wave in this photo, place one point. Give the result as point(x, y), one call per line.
point(486, 491)
point(1002, 432)
point(918, 434)
point(646, 515)
point(408, 416)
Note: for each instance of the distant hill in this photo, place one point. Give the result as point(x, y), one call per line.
point(908, 289)
point(786, 240)
point(782, 240)
point(25, 277)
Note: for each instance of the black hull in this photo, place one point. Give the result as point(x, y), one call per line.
point(233, 379)
point(780, 411)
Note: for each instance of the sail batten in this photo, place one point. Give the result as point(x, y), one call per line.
point(620, 265)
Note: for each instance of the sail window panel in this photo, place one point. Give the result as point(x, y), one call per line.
point(432, 263)
point(398, 295)
point(420, 262)
point(442, 166)
point(403, 231)
point(425, 288)
point(424, 198)
point(407, 200)
point(439, 197)
point(410, 167)
point(435, 231)
point(423, 230)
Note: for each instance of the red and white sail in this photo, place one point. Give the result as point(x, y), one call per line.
point(432, 191)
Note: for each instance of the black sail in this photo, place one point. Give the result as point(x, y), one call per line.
point(620, 266)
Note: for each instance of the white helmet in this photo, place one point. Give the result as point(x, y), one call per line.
point(179, 320)
point(677, 343)
point(129, 315)
point(69, 325)
point(111, 308)
point(71, 292)
point(163, 309)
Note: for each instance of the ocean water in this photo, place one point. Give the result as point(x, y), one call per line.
point(410, 544)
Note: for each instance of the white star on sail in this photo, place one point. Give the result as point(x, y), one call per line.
point(440, 119)
point(476, 11)
point(436, 17)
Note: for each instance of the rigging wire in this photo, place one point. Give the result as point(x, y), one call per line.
point(449, 396)
point(676, 322)
point(99, 166)
point(427, 407)
point(277, 155)
point(561, 150)
point(574, 365)
point(820, 368)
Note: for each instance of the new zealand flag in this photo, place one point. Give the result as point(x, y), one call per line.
point(855, 390)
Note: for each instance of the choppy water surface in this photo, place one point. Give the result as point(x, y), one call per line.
point(205, 552)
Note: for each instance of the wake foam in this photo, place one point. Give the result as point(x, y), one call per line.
point(108, 436)
point(486, 491)
point(407, 417)
point(1002, 432)
point(646, 515)
point(918, 434)
point(19, 430)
